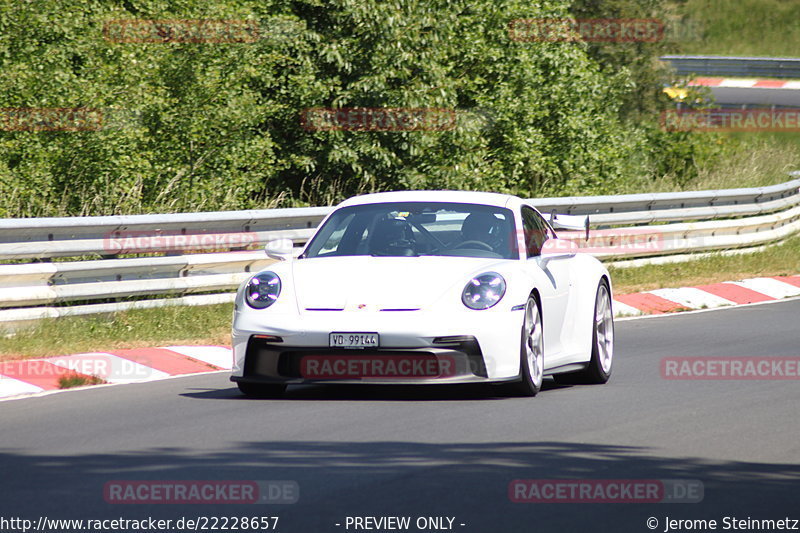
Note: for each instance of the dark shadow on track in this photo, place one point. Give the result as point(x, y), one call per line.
point(384, 393)
point(338, 479)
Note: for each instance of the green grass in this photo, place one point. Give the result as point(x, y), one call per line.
point(751, 160)
point(130, 329)
point(783, 259)
point(747, 159)
point(70, 381)
point(744, 27)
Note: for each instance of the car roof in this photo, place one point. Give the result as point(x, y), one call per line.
point(464, 197)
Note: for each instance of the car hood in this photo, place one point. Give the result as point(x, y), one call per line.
point(381, 283)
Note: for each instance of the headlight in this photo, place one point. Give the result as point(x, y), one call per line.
point(262, 290)
point(484, 291)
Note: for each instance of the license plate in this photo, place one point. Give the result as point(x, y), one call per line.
point(354, 340)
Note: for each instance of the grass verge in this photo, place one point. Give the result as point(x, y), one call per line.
point(783, 259)
point(744, 27)
point(745, 159)
point(138, 328)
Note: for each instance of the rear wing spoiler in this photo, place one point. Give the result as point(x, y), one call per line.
point(570, 222)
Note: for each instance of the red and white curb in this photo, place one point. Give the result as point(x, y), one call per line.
point(31, 376)
point(746, 291)
point(745, 83)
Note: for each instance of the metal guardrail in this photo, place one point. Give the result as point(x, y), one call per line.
point(39, 238)
point(652, 202)
point(36, 238)
point(770, 67)
point(629, 226)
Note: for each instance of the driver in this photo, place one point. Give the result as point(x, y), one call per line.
point(393, 237)
point(483, 227)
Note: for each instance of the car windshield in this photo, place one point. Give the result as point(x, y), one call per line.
point(410, 229)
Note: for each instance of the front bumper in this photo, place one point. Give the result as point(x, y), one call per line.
point(468, 347)
point(448, 362)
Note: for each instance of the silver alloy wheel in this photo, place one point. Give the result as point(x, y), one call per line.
point(534, 345)
point(604, 328)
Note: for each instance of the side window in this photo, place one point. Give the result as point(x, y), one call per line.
point(535, 231)
point(334, 239)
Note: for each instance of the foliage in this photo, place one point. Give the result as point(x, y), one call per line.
point(744, 27)
point(190, 126)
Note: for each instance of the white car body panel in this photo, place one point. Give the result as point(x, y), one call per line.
point(409, 301)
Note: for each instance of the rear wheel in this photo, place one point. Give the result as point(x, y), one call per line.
point(531, 365)
point(261, 390)
point(599, 368)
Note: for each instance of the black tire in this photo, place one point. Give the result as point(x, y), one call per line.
point(531, 357)
point(261, 390)
point(598, 370)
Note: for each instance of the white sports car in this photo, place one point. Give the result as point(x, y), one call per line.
point(427, 287)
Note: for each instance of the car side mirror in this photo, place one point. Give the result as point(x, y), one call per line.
point(280, 249)
point(570, 222)
point(556, 250)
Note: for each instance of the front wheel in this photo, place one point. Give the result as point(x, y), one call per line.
point(599, 368)
point(531, 365)
point(261, 390)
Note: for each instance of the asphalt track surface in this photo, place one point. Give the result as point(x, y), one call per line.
point(756, 96)
point(371, 451)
